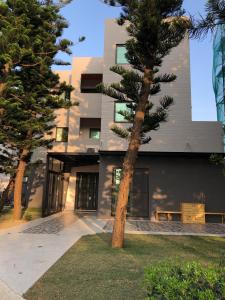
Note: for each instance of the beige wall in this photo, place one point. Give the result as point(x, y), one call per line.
point(89, 106)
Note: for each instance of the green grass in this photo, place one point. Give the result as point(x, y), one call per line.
point(92, 270)
point(28, 214)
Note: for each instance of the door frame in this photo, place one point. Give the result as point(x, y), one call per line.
point(129, 211)
point(76, 192)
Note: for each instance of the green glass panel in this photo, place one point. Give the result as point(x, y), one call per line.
point(62, 134)
point(120, 107)
point(94, 134)
point(219, 72)
point(121, 55)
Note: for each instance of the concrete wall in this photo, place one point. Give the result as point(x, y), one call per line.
point(172, 180)
point(179, 134)
point(89, 105)
point(35, 188)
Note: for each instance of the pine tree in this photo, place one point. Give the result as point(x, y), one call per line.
point(215, 15)
point(154, 28)
point(30, 39)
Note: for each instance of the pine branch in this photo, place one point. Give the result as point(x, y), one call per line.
point(165, 78)
point(121, 132)
point(111, 92)
point(166, 102)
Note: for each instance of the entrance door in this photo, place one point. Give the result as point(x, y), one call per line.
point(87, 191)
point(139, 195)
point(55, 192)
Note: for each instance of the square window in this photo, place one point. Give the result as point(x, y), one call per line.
point(120, 107)
point(94, 133)
point(121, 55)
point(61, 134)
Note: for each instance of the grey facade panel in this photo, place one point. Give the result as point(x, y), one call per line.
point(172, 180)
point(179, 134)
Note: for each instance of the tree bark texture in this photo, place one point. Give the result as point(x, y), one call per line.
point(19, 185)
point(129, 165)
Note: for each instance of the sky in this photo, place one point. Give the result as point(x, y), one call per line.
point(86, 18)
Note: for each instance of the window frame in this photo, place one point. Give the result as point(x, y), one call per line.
point(116, 56)
point(62, 141)
point(92, 90)
point(115, 121)
point(97, 129)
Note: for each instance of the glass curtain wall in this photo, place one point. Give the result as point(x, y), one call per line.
point(219, 72)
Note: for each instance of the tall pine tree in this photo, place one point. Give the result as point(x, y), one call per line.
point(154, 28)
point(30, 39)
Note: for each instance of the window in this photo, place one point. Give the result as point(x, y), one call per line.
point(94, 133)
point(120, 107)
point(61, 134)
point(67, 95)
point(89, 82)
point(121, 55)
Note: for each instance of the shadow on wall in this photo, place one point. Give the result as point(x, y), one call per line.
point(186, 180)
point(33, 188)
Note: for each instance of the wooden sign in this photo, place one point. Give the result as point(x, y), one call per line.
point(193, 213)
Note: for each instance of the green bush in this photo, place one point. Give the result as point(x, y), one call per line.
point(190, 281)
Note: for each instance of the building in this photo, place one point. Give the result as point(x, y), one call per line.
point(219, 72)
point(83, 168)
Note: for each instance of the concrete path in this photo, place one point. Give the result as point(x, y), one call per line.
point(29, 250)
point(7, 294)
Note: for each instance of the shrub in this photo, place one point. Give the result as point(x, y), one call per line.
point(190, 281)
point(27, 216)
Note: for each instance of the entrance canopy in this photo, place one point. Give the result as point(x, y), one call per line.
point(76, 159)
point(57, 165)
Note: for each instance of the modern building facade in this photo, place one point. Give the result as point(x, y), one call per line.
point(82, 171)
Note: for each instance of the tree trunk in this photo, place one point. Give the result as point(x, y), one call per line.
point(3, 84)
point(19, 185)
point(7, 192)
point(129, 164)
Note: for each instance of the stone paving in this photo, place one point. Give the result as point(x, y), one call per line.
point(170, 227)
point(27, 251)
point(53, 226)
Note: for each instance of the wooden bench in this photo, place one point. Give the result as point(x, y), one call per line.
point(170, 213)
point(216, 214)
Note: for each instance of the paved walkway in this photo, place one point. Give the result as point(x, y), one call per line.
point(7, 294)
point(29, 250)
point(170, 228)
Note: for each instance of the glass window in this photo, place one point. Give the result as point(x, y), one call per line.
point(67, 95)
point(121, 55)
point(94, 133)
point(120, 107)
point(61, 134)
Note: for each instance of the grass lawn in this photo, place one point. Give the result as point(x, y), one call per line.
point(6, 217)
point(92, 270)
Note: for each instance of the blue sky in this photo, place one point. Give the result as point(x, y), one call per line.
point(86, 18)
